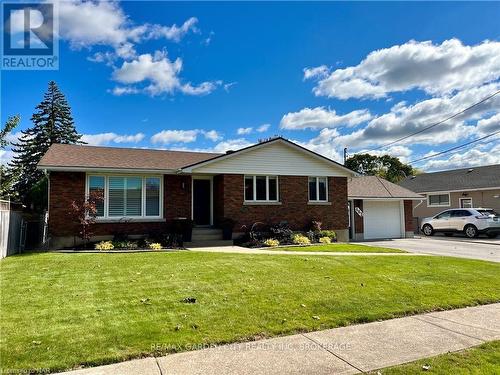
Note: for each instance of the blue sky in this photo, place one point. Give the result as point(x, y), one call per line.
point(135, 80)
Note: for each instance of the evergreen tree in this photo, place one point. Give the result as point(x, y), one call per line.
point(6, 177)
point(52, 123)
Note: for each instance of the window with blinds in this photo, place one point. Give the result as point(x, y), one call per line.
point(128, 196)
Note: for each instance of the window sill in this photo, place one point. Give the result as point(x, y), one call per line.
point(313, 203)
point(438, 205)
point(263, 203)
point(126, 220)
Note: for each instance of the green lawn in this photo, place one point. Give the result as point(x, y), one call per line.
point(339, 247)
point(60, 311)
point(484, 359)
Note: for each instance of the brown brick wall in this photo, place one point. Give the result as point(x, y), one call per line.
point(66, 187)
point(358, 220)
point(409, 221)
point(294, 207)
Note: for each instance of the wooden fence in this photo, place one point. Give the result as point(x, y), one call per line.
point(12, 230)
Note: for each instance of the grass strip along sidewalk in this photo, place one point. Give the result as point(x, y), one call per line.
point(60, 311)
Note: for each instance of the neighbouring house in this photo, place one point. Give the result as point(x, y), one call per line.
point(458, 188)
point(144, 190)
point(380, 209)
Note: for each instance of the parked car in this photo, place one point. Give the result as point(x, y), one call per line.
point(469, 221)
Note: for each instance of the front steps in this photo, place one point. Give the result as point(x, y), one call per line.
point(207, 237)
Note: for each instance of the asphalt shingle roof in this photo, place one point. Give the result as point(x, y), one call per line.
point(376, 187)
point(457, 179)
point(80, 156)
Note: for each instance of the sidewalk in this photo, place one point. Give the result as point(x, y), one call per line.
point(346, 350)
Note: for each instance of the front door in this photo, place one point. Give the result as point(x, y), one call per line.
point(201, 202)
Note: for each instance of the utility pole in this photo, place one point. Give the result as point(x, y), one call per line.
point(345, 154)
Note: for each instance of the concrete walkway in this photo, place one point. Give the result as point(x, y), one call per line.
point(346, 350)
point(246, 250)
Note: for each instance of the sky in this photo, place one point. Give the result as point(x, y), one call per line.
point(220, 76)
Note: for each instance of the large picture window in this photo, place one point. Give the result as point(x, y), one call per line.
point(318, 189)
point(261, 188)
point(127, 196)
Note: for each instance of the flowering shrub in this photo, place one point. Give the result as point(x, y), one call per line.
point(325, 240)
point(271, 242)
point(328, 233)
point(300, 239)
point(104, 245)
point(155, 246)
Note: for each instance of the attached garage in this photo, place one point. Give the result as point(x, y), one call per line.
point(382, 219)
point(379, 209)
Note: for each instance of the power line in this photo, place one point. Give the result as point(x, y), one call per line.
point(437, 123)
point(454, 148)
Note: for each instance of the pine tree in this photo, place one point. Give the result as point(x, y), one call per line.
point(6, 177)
point(52, 123)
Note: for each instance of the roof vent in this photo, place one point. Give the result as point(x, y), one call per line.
point(229, 152)
point(470, 170)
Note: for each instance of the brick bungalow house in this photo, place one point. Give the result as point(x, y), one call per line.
point(269, 182)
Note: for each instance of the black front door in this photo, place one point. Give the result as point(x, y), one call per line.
point(201, 202)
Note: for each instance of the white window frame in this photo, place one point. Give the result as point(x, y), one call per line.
point(255, 200)
point(317, 200)
point(438, 205)
point(464, 199)
point(106, 216)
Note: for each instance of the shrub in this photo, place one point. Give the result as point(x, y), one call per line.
point(282, 232)
point(155, 246)
point(300, 239)
point(315, 226)
point(127, 245)
point(325, 240)
point(328, 233)
point(271, 242)
point(104, 245)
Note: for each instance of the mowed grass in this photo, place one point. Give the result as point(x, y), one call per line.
point(338, 248)
point(60, 311)
point(483, 359)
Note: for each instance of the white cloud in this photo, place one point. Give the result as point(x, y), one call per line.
point(228, 86)
point(324, 144)
point(488, 125)
point(90, 23)
point(212, 135)
point(221, 147)
point(321, 117)
point(124, 90)
point(434, 68)
point(464, 159)
point(6, 156)
point(243, 131)
point(174, 32)
point(184, 136)
point(401, 152)
point(231, 144)
point(159, 73)
point(263, 128)
point(107, 138)
point(404, 119)
point(175, 136)
point(317, 72)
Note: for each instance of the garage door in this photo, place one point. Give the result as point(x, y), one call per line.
point(381, 219)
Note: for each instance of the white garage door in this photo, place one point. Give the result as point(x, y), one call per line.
point(381, 219)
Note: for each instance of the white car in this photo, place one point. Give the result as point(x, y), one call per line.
point(469, 221)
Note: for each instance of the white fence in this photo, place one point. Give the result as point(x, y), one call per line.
point(12, 231)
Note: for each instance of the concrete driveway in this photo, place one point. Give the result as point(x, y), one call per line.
point(455, 247)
